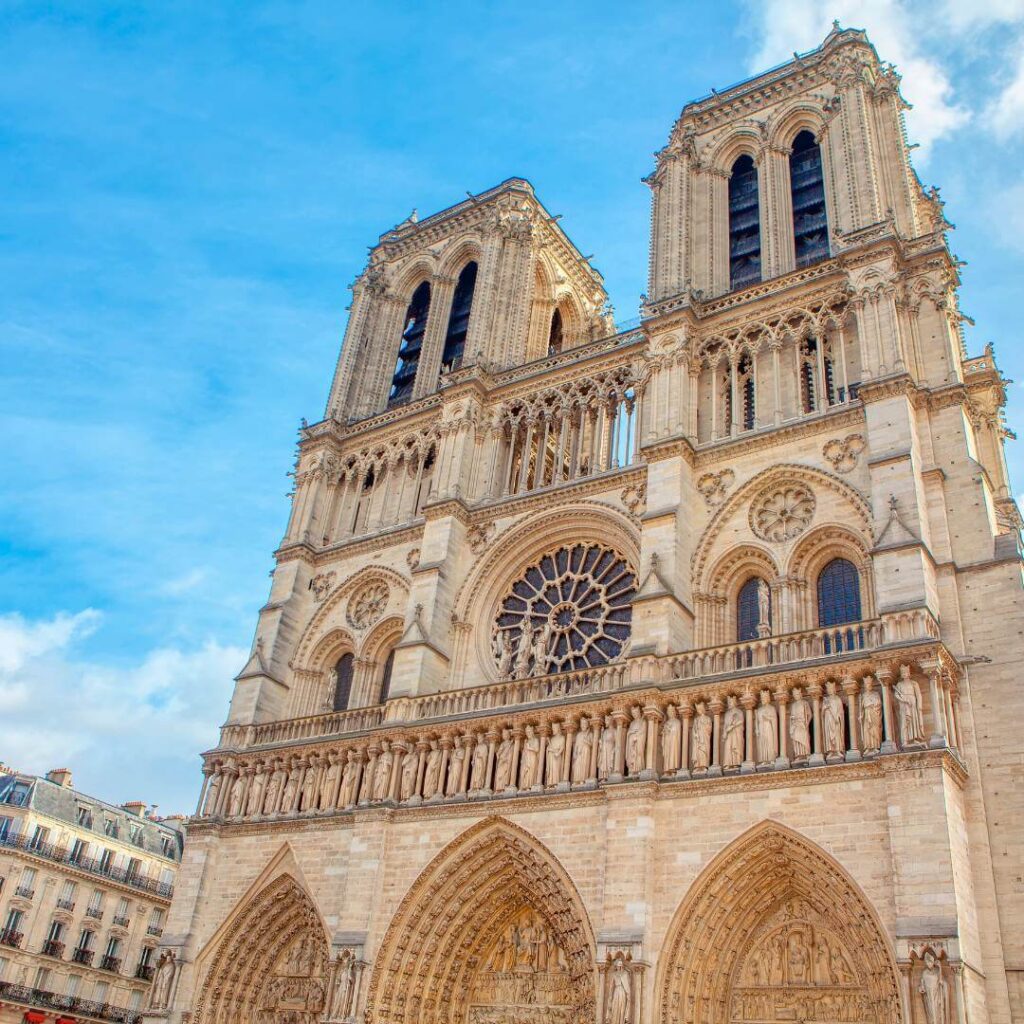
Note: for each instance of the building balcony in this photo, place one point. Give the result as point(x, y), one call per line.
point(80, 1008)
point(9, 937)
point(122, 922)
point(24, 892)
point(155, 929)
point(145, 972)
point(68, 905)
point(110, 963)
point(53, 947)
point(95, 912)
point(83, 956)
point(89, 865)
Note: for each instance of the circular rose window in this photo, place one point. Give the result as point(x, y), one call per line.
point(570, 610)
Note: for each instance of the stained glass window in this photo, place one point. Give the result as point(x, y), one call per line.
point(343, 685)
point(838, 593)
point(748, 615)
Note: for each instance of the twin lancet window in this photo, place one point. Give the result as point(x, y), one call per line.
point(807, 195)
point(838, 592)
point(410, 349)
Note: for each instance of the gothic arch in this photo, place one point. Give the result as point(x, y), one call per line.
point(814, 551)
point(444, 929)
point(274, 938)
point(373, 652)
point(329, 613)
point(855, 502)
point(408, 278)
point(744, 140)
point(791, 120)
point(595, 522)
point(770, 880)
point(464, 249)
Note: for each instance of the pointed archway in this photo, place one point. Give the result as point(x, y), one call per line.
point(268, 961)
point(493, 926)
point(774, 929)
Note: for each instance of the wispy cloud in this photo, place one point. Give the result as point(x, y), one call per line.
point(129, 731)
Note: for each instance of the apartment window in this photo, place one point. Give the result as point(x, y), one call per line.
point(40, 837)
point(113, 946)
point(42, 982)
point(56, 932)
point(72, 986)
point(85, 939)
point(3, 967)
point(136, 833)
point(96, 902)
point(122, 907)
point(67, 892)
point(99, 992)
point(13, 922)
point(156, 918)
point(134, 868)
point(5, 827)
point(85, 817)
point(167, 846)
point(79, 850)
point(106, 860)
point(110, 827)
point(166, 877)
point(145, 956)
point(28, 878)
point(135, 1000)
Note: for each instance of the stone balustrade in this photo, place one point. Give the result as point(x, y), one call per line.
point(864, 708)
point(770, 652)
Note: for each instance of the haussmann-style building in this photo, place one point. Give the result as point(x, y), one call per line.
point(669, 674)
point(84, 891)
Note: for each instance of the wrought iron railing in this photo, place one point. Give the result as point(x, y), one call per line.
point(68, 1004)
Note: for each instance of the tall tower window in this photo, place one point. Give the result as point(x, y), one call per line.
point(385, 681)
point(555, 338)
point(458, 320)
point(409, 351)
point(807, 187)
point(744, 225)
point(747, 391)
point(343, 682)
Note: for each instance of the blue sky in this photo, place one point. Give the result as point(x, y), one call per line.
point(186, 190)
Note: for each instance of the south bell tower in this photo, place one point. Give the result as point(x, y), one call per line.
point(575, 630)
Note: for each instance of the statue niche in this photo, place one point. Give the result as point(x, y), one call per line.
point(795, 969)
point(524, 976)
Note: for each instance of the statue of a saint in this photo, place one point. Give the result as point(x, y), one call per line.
point(833, 722)
point(764, 607)
point(382, 772)
point(732, 733)
point(506, 653)
point(410, 769)
point(908, 702)
point(555, 755)
point(606, 752)
point(800, 718)
point(347, 796)
point(618, 994)
point(671, 731)
point(521, 668)
point(478, 765)
point(934, 991)
point(700, 738)
point(541, 642)
point(257, 791)
point(529, 763)
point(457, 760)
point(582, 745)
point(432, 775)
point(766, 730)
point(870, 718)
point(503, 762)
point(329, 784)
point(636, 741)
point(160, 993)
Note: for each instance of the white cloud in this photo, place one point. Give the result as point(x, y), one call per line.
point(185, 582)
point(962, 16)
point(1005, 114)
point(895, 29)
point(127, 731)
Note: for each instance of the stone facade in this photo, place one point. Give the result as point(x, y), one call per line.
point(84, 891)
point(665, 674)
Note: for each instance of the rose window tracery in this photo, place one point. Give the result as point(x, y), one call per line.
point(572, 609)
point(782, 513)
point(367, 604)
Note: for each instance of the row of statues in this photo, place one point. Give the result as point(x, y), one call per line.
point(796, 725)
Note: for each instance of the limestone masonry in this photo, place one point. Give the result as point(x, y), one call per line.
point(668, 674)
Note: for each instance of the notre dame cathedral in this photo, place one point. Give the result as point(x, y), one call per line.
point(666, 674)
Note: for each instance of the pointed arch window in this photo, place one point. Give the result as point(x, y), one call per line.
point(744, 225)
point(747, 391)
point(458, 320)
point(807, 188)
point(555, 335)
point(412, 342)
point(838, 593)
point(748, 610)
point(343, 682)
point(385, 682)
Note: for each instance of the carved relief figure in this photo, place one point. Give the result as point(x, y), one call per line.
point(934, 991)
point(329, 783)
point(833, 721)
point(800, 718)
point(458, 758)
point(505, 652)
point(733, 734)
point(581, 748)
point(160, 993)
point(606, 752)
point(671, 731)
point(257, 792)
point(870, 718)
point(908, 703)
point(291, 790)
point(503, 763)
point(235, 802)
point(309, 786)
point(636, 741)
point(764, 607)
point(766, 730)
point(347, 797)
point(382, 772)
point(344, 985)
point(541, 643)
point(700, 738)
point(523, 654)
point(618, 994)
point(410, 767)
point(274, 787)
point(478, 765)
point(530, 760)
point(432, 775)
point(555, 756)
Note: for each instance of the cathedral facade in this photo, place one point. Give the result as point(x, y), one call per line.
point(666, 674)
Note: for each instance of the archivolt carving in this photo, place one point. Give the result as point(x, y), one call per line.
point(272, 963)
point(775, 929)
point(857, 513)
point(447, 940)
point(329, 611)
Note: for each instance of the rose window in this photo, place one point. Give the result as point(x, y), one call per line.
point(367, 605)
point(570, 610)
point(783, 513)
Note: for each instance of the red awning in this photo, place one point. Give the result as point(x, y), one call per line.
point(66, 1020)
point(34, 1017)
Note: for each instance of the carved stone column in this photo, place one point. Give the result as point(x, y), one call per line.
point(884, 677)
point(850, 688)
point(814, 692)
point(715, 707)
point(782, 703)
point(938, 736)
point(747, 702)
